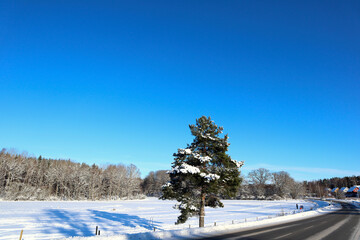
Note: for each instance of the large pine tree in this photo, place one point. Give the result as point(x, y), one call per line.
point(202, 172)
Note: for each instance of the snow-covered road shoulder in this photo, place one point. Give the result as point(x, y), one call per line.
point(355, 203)
point(228, 227)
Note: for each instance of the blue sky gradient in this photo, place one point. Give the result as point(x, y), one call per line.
point(119, 81)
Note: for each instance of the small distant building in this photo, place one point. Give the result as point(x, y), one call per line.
point(343, 190)
point(335, 190)
point(353, 191)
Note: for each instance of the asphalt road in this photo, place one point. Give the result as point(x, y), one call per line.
point(343, 224)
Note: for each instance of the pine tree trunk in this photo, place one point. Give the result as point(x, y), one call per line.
point(202, 211)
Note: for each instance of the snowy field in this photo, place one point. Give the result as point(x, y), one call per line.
point(57, 220)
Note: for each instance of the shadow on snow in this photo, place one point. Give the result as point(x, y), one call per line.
point(70, 223)
point(66, 223)
point(124, 219)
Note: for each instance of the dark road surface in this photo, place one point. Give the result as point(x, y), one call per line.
point(343, 224)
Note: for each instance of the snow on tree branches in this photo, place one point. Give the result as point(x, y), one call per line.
point(185, 168)
point(202, 172)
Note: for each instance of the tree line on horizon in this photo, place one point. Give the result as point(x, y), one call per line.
point(24, 177)
point(30, 178)
point(262, 184)
point(319, 187)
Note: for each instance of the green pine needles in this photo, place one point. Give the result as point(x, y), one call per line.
point(202, 173)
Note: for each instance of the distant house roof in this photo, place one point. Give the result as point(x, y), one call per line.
point(354, 189)
point(335, 189)
point(344, 189)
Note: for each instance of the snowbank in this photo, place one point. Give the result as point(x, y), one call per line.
point(356, 202)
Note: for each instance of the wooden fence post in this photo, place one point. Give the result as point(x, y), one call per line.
point(21, 234)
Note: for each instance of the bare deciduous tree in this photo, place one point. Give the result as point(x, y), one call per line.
point(258, 179)
point(23, 178)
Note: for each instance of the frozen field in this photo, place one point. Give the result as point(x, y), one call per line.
point(54, 220)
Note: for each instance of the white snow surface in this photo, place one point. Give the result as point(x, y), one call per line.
point(136, 219)
point(355, 202)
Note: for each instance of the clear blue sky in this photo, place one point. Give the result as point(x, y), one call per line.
point(119, 81)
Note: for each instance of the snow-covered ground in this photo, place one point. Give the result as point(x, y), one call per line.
point(355, 202)
point(56, 220)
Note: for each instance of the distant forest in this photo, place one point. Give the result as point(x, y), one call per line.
point(318, 187)
point(30, 178)
point(263, 184)
point(24, 177)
